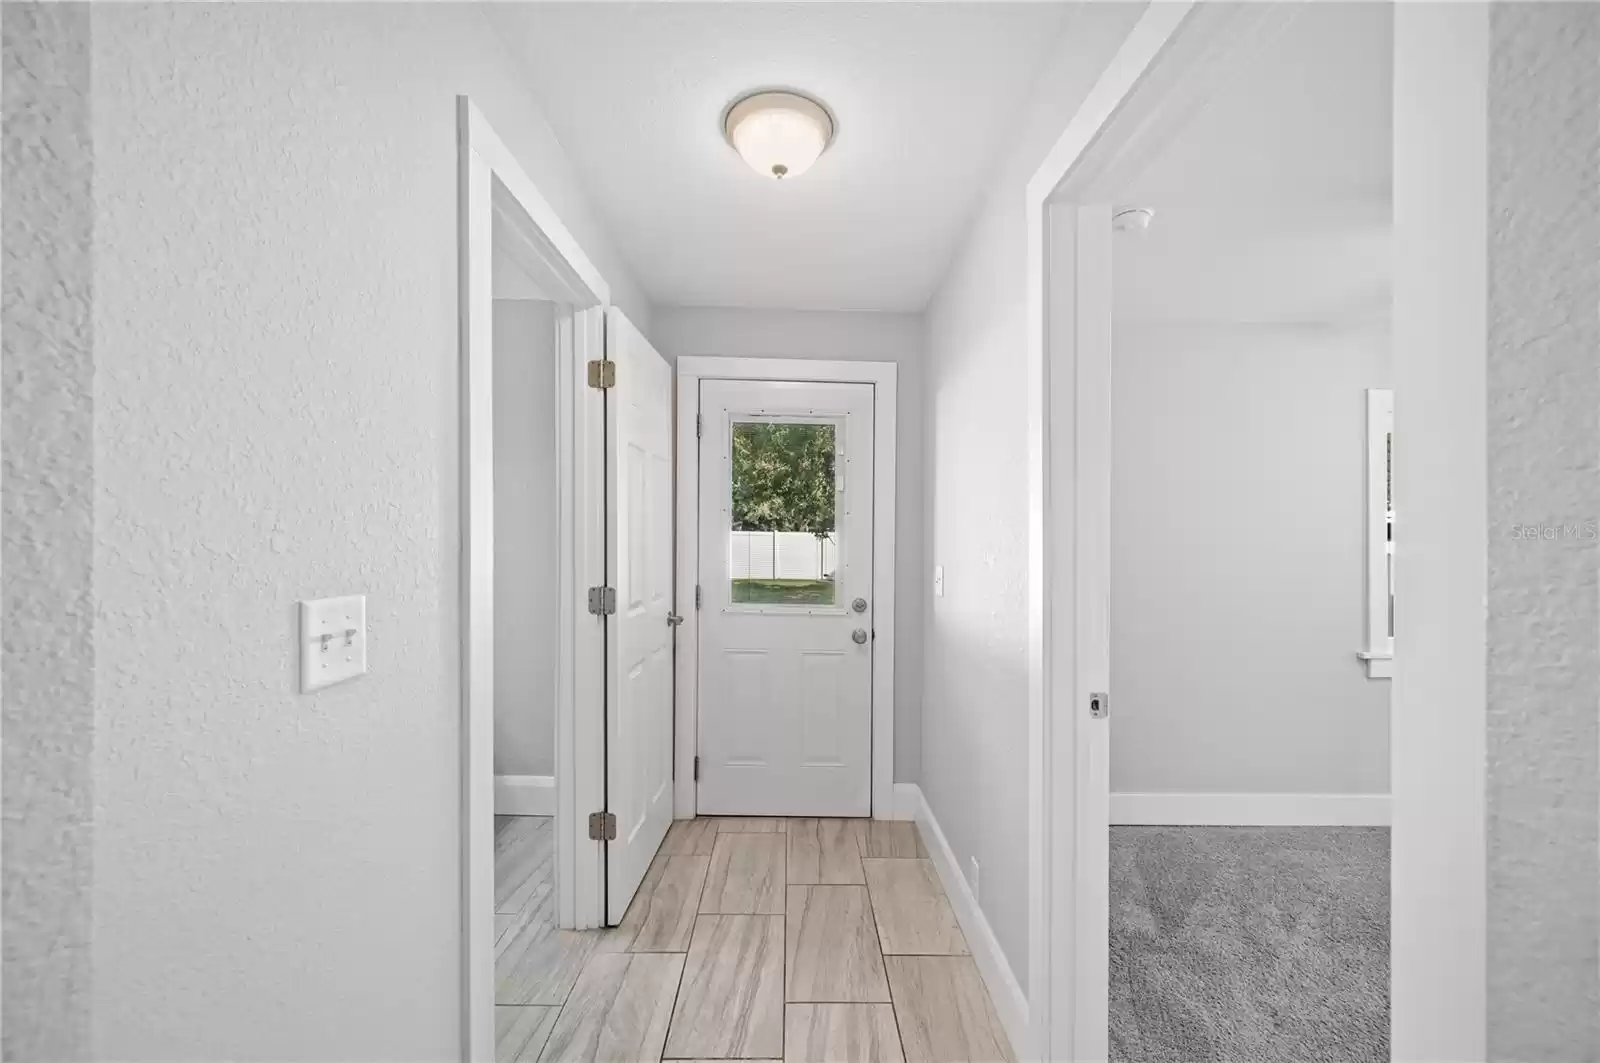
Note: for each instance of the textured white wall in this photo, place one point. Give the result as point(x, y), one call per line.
point(975, 673)
point(527, 618)
point(852, 336)
point(1544, 469)
point(278, 876)
point(1238, 571)
point(47, 513)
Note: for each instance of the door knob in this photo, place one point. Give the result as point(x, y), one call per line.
point(859, 636)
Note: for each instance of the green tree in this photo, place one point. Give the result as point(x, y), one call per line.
point(783, 478)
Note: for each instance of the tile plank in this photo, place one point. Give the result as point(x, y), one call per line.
point(746, 876)
point(690, 837)
point(824, 852)
point(621, 937)
point(618, 1011)
point(670, 906)
point(538, 963)
point(832, 1033)
point(730, 1004)
point(524, 860)
point(944, 1011)
point(832, 947)
point(913, 915)
point(893, 839)
point(751, 825)
point(521, 1032)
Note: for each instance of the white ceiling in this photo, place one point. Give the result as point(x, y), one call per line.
point(1274, 204)
point(924, 96)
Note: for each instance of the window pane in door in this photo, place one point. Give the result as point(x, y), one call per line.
point(782, 543)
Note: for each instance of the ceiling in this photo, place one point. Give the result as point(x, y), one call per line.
point(925, 97)
point(1274, 204)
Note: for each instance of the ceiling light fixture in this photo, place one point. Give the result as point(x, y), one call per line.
point(780, 134)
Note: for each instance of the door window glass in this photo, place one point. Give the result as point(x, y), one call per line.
point(783, 546)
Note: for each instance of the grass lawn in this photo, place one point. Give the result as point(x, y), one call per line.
point(782, 592)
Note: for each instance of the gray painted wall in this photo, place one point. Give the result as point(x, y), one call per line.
point(527, 623)
point(1544, 606)
point(851, 336)
point(47, 485)
point(1238, 568)
point(975, 660)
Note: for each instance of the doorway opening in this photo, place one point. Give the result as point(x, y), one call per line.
point(1331, 940)
point(1249, 845)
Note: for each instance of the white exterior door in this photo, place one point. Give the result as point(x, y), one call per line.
point(639, 638)
point(785, 577)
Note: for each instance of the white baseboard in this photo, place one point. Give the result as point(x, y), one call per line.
point(524, 795)
point(1010, 1003)
point(1250, 810)
point(907, 800)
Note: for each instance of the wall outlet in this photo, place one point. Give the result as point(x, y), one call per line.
point(938, 581)
point(972, 875)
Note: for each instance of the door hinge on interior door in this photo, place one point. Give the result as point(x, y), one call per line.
point(697, 769)
point(602, 375)
point(602, 827)
point(699, 426)
point(697, 595)
point(602, 600)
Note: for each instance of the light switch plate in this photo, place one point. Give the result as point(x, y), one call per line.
point(333, 641)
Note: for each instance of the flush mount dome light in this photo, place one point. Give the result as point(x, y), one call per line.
point(780, 134)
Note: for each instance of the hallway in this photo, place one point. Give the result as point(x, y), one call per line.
point(822, 941)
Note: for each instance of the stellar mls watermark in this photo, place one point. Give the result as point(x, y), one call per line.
point(1580, 531)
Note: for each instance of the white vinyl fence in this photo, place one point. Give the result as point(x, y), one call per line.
point(781, 555)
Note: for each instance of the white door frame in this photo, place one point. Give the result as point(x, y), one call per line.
point(1165, 70)
point(883, 376)
point(491, 184)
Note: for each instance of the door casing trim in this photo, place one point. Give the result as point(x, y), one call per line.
point(491, 182)
point(686, 500)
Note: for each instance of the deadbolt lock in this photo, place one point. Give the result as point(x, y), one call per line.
point(859, 605)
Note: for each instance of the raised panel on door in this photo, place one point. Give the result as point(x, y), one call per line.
point(639, 691)
point(785, 550)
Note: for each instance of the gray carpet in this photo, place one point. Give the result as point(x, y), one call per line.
point(1246, 944)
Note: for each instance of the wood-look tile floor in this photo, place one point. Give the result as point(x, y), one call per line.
point(804, 940)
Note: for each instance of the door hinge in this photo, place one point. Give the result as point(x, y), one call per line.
point(602, 827)
point(602, 600)
point(697, 597)
point(603, 375)
point(699, 426)
point(1099, 706)
point(696, 769)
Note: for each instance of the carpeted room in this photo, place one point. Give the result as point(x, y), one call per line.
point(1251, 607)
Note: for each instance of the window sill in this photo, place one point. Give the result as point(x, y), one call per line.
point(1379, 665)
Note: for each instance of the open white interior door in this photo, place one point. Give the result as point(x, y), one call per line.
point(1092, 333)
point(1077, 778)
point(638, 635)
